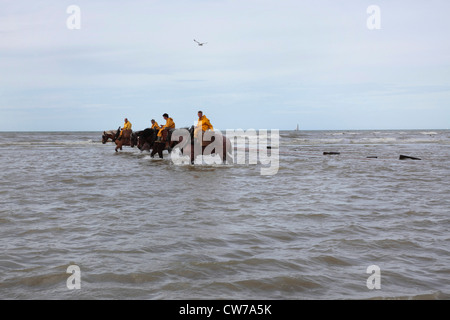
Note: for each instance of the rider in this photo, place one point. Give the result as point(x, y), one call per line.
point(126, 126)
point(169, 125)
point(155, 125)
point(203, 124)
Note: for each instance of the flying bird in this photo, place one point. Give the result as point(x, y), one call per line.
point(200, 43)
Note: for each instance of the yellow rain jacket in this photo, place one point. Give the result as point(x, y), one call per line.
point(203, 124)
point(126, 126)
point(169, 125)
point(155, 126)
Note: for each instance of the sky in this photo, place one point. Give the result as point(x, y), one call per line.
point(322, 64)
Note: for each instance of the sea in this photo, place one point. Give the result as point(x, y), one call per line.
point(341, 218)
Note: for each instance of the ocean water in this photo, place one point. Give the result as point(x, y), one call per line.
point(143, 228)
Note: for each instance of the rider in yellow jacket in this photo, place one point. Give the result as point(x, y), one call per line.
point(155, 125)
point(126, 126)
point(203, 124)
point(169, 125)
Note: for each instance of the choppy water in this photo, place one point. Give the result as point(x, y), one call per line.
point(142, 228)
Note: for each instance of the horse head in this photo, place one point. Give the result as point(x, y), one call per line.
point(108, 135)
point(139, 139)
point(104, 137)
point(139, 142)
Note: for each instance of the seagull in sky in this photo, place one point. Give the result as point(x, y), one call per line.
point(200, 43)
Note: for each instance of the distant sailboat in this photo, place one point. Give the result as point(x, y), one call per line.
point(296, 129)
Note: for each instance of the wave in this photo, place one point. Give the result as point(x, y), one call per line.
point(317, 141)
point(377, 140)
point(374, 141)
point(431, 133)
point(185, 160)
point(343, 133)
point(437, 295)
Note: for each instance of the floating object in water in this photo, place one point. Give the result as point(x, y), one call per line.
point(331, 153)
point(372, 157)
point(403, 157)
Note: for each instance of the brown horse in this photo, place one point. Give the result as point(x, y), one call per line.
point(207, 146)
point(110, 134)
point(224, 148)
point(164, 144)
point(127, 139)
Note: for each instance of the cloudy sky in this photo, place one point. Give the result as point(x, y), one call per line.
point(267, 64)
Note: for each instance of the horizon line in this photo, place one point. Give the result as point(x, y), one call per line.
point(392, 129)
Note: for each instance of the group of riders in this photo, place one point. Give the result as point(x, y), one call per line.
point(203, 125)
point(159, 138)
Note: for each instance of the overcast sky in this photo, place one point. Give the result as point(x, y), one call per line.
point(267, 64)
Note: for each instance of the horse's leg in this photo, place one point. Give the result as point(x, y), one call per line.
point(156, 150)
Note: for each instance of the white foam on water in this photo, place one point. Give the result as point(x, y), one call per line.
point(53, 143)
point(431, 133)
point(184, 160)
point(378, 140)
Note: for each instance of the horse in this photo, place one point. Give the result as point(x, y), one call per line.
point(145, 139)
point(110, 134)
point(127, 139)
point(224, 146)
point(164, 144)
